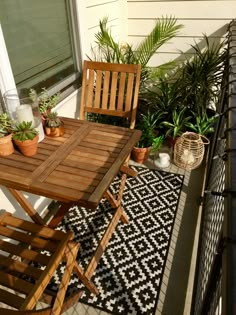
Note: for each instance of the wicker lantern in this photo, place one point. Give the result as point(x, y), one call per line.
point(189, 150)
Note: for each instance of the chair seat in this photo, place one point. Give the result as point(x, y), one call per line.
point(29, 256)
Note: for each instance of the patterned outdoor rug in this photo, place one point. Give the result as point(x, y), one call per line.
point(130, 272)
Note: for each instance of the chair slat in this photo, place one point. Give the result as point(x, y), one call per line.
point(105, 91)
point(89, 95)
point(24, 252)
point(129, 92)
point(15, 283)
point(10, 299)
point(39, 230)
point(14, 266)
point(120, 103)
point(98, 87)
point(113, 91)
point(28, 239)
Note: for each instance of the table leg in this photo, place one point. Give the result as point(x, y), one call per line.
point(103, 243)
point(26, 206)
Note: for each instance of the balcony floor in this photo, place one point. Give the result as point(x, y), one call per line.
point(176, 290)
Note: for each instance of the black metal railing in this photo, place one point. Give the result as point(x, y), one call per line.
point(215, 280)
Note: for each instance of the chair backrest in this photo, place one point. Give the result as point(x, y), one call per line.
point(110, 89)
point(29, 255)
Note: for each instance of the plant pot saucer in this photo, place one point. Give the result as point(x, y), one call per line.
point(163, 160)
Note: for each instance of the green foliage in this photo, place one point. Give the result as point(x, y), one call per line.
point(46, 102)
point(164, 95)
point(24, 131)
point(5, 125)
point(109, 50)
point(178, 122)
point(52, 120)
point(203, 125)
point(157, 143)
point(147, 124)
point(202, 75)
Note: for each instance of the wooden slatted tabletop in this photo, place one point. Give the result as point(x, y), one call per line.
point(78, 167)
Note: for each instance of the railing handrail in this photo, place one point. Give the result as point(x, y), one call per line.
point(215, 289)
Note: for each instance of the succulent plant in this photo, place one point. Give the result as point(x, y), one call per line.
point(24, 131)
point(52, 120)
point(5, 125)
point(46, 102)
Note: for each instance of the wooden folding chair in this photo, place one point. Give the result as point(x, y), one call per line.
point(29, 256)
point(110, 89)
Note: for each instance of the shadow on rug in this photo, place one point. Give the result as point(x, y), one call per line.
point(130, 272)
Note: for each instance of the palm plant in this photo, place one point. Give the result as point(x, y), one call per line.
point(201, 76)
point(111, 51)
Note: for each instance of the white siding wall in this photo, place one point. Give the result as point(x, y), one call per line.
point(89, 14)
point(198, 17)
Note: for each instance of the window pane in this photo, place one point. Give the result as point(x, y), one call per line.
point(37, 36)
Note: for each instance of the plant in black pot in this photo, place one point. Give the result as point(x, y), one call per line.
point(54, 126)
point(147, 124)
point(26, 138)
point(6, 145)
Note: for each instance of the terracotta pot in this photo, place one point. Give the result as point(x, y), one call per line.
point(28, 147)
point(55, 132)
point(6, 145)
point(140, 155)
point(171, 141)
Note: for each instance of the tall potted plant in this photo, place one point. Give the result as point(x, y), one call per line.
point(147, 124)
point(177, 124)
point(26, 138)
point(6, 145)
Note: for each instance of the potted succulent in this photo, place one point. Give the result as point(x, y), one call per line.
point(147, 124)
point(6, 145)
point(54, 126)
point(26, 138)
point(47, 103)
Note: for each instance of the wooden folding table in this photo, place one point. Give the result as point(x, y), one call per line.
point(76, 168)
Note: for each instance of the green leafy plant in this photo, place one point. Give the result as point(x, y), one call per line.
point(52, 120)
point(147, 124)
point(24, 131)
point(111, 51)
point(157, 143)
point(178, 123)
point(201, 76)
point(203, 125)
point(5, 125)
point(165, 94)
point(46, 102)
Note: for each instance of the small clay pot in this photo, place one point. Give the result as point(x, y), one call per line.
point(140, 155)
point(28, 147)
point(6, 145)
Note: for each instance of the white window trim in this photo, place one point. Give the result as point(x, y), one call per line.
point(7, 81)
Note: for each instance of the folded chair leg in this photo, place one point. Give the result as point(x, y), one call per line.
point(71, 254)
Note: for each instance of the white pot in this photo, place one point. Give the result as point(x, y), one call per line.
point(163, 160)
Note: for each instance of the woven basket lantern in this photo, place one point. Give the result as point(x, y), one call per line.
point(189, 150)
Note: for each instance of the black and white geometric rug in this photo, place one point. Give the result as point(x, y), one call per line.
point(130, 272)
